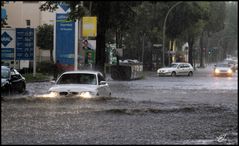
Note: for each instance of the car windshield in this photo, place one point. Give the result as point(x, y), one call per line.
point(222, 65)
point(173, 65)
point(4, 73)
point(77, 79)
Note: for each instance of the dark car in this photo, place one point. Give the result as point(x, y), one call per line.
point(12, 80)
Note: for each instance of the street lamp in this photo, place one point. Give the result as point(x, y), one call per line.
point(143, 49)
point(164, 27)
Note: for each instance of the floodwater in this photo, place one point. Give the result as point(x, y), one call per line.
point(155, 110)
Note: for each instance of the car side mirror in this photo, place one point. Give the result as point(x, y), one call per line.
point(103, 82)
point(14, 77)
point(53, 81)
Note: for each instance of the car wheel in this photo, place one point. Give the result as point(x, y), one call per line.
point(190, 74)
point(173, 74)
point(22, 88)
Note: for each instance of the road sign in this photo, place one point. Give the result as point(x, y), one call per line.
point(64, 6)
point(157, 45)
point(89, 26)
point(7, 44)
point(172, 52)
point(65, 39)
point(24, 43)
point(5, 39)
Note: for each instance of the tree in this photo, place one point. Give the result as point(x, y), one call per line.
point(146, 28)
point(45, 38)
point(214, 24)
point(230, 34)
point(191, 21)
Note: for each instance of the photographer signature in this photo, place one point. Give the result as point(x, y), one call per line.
point(221, 138)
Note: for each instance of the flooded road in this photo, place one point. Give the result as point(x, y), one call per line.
point(155, 110)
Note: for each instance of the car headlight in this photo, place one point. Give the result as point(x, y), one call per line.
point(217, 71)
point(51, 94)
point(87, 94)
point(162, 71)
point(229, 71)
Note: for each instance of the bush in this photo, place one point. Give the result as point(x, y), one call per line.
point(46, 68)
point(37, 78)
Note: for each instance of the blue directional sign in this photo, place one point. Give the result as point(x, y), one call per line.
point(65, 39)
point(5, 39)
point(24, 43)
point(7, 53)
point(7, 44)
point(64, 6)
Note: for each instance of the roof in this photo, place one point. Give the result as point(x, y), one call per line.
point(5, 67)
point(82, 71)
point(180, 63)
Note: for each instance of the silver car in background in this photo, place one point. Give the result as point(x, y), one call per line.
point(177, 68)
point(223, 69)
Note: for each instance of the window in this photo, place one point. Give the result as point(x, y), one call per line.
point(100, 78)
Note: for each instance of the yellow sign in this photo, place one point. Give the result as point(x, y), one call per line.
point(89, 25)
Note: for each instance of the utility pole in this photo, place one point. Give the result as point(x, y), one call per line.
point(143, 49)
point(78, 37)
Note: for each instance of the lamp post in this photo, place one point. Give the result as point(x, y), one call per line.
point(143, 49)
point(164, 27)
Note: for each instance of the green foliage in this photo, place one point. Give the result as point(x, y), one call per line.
point(38, 78)
point(185, 17)
point(45, 37)
point(46, 68)
point(231, 22)
point(216, 15)
point(230, 33)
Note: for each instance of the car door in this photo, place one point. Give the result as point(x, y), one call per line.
point(180, 69)
point(186, 69)
point(16, 80)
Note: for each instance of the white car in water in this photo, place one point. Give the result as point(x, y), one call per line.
point(178, 68)
point(85, 84)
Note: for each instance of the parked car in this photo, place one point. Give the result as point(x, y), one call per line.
point(222, 69)
point(178, 68)
point(86, 84)
point(12, 80)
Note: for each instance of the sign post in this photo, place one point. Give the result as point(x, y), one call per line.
point(89, 26)
point(24, 43)
point(65, 39)
point(89, 29)
point(8, 41)
point(34, 52)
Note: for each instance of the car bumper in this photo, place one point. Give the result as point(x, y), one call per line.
point(164, 74)
point(223, 74)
